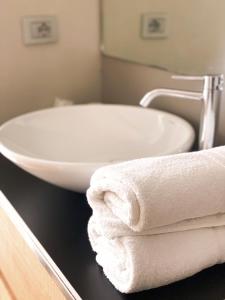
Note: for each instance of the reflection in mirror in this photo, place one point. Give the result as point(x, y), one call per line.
point(181, 36)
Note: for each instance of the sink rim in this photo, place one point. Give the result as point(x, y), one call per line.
point(10, 153)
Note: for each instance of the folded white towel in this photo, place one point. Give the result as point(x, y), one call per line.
point(134, 263)
point(111, 226)
point(154, 192)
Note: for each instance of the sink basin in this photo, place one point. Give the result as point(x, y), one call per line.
point(65, 145)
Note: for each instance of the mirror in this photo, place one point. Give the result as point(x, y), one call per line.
point(186, 37)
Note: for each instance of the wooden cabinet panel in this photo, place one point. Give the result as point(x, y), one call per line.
point(21, 267)
point(5, 291)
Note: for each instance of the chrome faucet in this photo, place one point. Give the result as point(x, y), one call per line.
point(210, 98)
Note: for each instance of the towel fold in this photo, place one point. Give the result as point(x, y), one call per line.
point(153, 192)
point(111, 226)
point(158, 220)
point(135, 263)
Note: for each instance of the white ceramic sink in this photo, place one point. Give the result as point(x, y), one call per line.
point(65, 145)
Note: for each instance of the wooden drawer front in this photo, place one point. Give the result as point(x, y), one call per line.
point(27, 272)
point(21, 268)
point(5, 291)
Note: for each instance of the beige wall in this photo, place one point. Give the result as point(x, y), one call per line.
point(31, 77)
point(127, 83)
point(190, 46)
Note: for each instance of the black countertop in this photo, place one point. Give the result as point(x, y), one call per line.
point(58, 218)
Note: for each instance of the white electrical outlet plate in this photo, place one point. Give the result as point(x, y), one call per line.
point(39, 30)
point(154, 26)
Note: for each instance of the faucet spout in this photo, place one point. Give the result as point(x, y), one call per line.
point(210, 98)
point(149, 97)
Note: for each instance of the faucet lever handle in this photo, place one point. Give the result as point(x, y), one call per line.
point(211, 82)
point(184, 77)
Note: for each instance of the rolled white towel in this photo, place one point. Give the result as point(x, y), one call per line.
point(154, 192)
point(111, 226)
point(134, 263)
